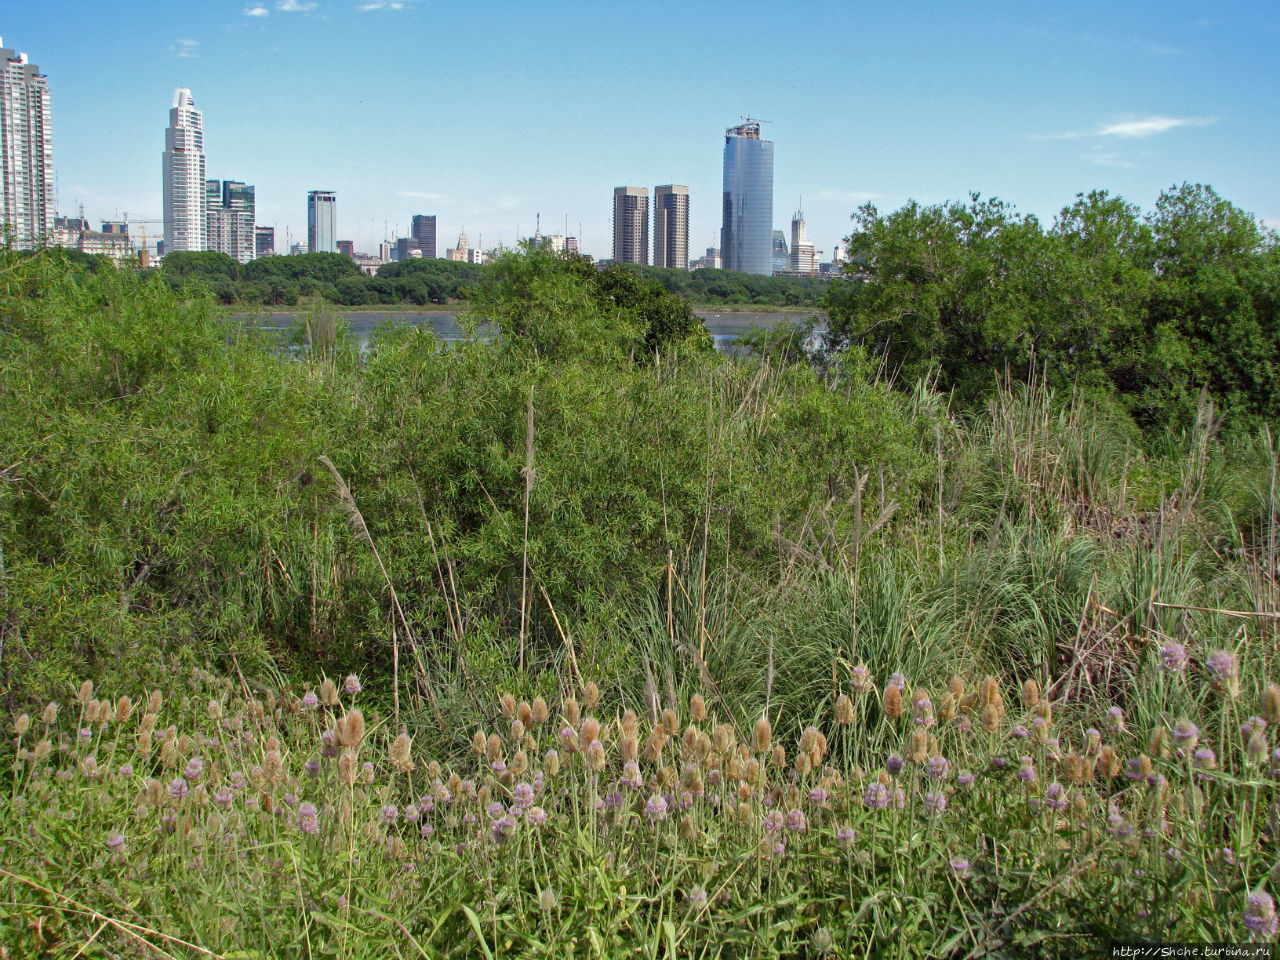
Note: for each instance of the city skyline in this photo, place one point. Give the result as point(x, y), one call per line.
point(26, 160)
point(183, 177)
point(866, 104)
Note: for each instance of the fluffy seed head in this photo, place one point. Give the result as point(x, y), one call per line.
point(401, 753)
point(539, 710)
point(155, 701)
point(892, 701)
point(779, 756)
point(348, 767)
point(697, 708)
point(670, 722)
point(590, 695)
point(85, 693)
point(590, 731)
point(919, 751)
point(595, 756)
point(1030, 693)
point(508, 704)
point(524, 715)
point(860, 679)
point(351, 728)
point(519, 763)
point(763, 735)
point(1158, 742)
point(479, 743)
point(551, 763)
point(844, 710)
point(956, 686)
point(572, 712)
point(654, 745)
point(991, 718)
point(328, 692)
point(1271, 703)
point(22, 724)
point(1256, 748)
point(628, 747)
point(50, 713)
point(124, 707)
point(493, 747)
point(724, 739)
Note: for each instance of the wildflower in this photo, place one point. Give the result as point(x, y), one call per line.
point(1185, 735)
point(308, 819)
point(223, 798)
point(1093, 739)
point(876, 796)
point(312, 766)
point(502, 829)
point(401, 749)
point(1055, 796)
point(115, 840)
point(936, 768)
point(860, 679)
point(1271, 702)
point(773, 821)
point(126, 771)
point(595, 756)
point(894, 764)
point(898, 680)
point(1173, 657)
point(351, 686)
point(819, 796)
point(1020, 731)
point(892, 701)
point(763, 735)
point(366, 769)
point(796, 821)
point(1138, 768)
point(697, 708)
point(1204, 759)
point(22, 724)
point(1223, 674)
point(551, 763)
point(845, 836)
point(1117, 825)
point(310, 701)
point(590, 695)
point(547, 899)
point(195, 767)
point(1260, 914)
point(823, 941)
point(1115, 720)
point(1027, 771)
point(522, 796)
point(178, 788)
point(844, 710)
point(919, 751)
point(959, 866)
point(999, 763)
point(236, 780)
point(656, 808)
point(1256, 748)
point(50, 714)
point(922, 711)
point(935, 802)
point(631, 775)
point(536, 816)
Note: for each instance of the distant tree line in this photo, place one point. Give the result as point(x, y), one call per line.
point(280, 281)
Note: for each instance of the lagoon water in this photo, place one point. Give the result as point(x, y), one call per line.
point(724, 328)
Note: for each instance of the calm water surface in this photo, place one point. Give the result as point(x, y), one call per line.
point(724, 328)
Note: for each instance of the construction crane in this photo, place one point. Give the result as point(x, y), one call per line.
point(129, 226)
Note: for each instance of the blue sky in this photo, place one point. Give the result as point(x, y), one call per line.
point(487, 113)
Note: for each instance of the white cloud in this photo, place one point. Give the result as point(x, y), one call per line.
point(381, 5)
point(258, 11)
point(295, 6)
point(1151, 125)
point(187, 48)
point(1130, 129)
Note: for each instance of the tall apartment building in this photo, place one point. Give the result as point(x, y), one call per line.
point(26, 151)
point(671, 226)
point(746, 233)
point(631, 225)
point(423, 234)
point(185, 211)
point(803, 259)
point(264, 242)
point(229, 213)
point(322, 221)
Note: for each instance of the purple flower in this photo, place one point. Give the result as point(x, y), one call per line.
point(893, 765)
point(631, 775)
point(935, 802)
point(819, 796)
point(1055, 796)
point(656, 808)
point(1185, 734)
point(1020, 732)
point(796, 821)
point(1204, 759)
point(1260, 914)
point(1115, 720)
point(502, 829)
point(352, 685)
point(536, 816)
point(309, 819)
point(1027, 771)
point(310, 701)
point(860, 678)
point(195, 767)
point(1133, 769)
point(115, 840)
point(845, 836)
point(495, 810)
point(959, 866)
point(178, 788)
point(876, 796)
point(898, 680)
point(126, 771)
point(923, 712)
point(999, 762)
point(773, 821)
point(1173, 657)
point(965, 778)
point(936, 768)
point(366, 769)
point(391, 813)
point(237, 780)
point(312, 766)
point(329, 744)
point(522, 795)
point(223, 798)
point(427, 829)
point(412, 813)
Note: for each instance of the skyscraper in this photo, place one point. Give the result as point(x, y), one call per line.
point(423, 234)
point(229, 214)
point(322, 225)
point(746, 234)
point(264, 242)
point(184, 184)
point(671, 226)
point(26, 151)
point(631, 225)
point(803, 258)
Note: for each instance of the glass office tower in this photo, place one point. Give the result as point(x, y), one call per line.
point(746, 235)
point(322, 230)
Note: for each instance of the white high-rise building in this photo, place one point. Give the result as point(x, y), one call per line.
point(803, 258)
point(26, 151)
point(322, 229)
point(184, 198)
